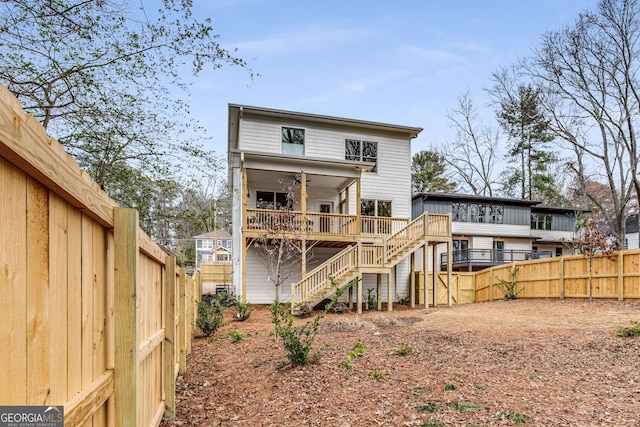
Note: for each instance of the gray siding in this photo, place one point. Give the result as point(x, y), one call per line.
point(513, 214)
point(562, 222)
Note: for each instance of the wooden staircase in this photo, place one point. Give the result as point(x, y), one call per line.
point(346, 265)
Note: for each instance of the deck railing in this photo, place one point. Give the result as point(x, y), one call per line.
point(363, 255)
point(492, 256)
point(317, 280)
point(330, 224)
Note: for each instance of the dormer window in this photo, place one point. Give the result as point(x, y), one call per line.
point(292, 141)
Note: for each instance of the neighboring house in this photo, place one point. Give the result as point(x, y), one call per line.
point(213, 247)
point(489, 231)
point(350, 181)
point(631, 229)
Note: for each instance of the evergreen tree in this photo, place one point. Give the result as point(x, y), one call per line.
point(522, 119)
point(427, 173)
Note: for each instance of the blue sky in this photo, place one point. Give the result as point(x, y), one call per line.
point(403, 61)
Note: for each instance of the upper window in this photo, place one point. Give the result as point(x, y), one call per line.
point(272, 200)
point(292, 140)
point(459, 211)
point(363, 151)
point(370, 207)
point(477, 212)
point(540, 221)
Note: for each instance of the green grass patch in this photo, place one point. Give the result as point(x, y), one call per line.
point(403, 350)
point(379, 374)
point(465, 406)
point(427, 407)
point(629, 332)
point(512, 416)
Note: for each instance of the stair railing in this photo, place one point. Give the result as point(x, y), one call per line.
point(317, 279)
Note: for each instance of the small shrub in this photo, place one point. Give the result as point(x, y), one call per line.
point(339, 308)
point(630, 332)
point(510, 287)
point(359, 349)
point(305, 310)
point(512, 416)
point(236, 336)
point(379, 374)
point(419, 390)
point(450, 387)
point(225, 299)
point(403, 350)
point(434, 424)
point(372, 299)
point(427, 407)
point(210, 316)
point(243, 310)
point(404, 300)
point(465, 406)
point(298, 340)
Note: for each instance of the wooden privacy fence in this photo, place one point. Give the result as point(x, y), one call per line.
point(613, 277)
point(94, 315)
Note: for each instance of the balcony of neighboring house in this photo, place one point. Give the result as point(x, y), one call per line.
point(478, 259)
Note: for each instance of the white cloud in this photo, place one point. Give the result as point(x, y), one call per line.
point(309, 38)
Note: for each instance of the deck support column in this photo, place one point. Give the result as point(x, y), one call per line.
point(390, 283)
point(379, 291)
point(359, 296)
point(412, 280)
point(450, 295)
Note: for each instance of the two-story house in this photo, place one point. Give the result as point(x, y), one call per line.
point(339, 186)
point(213, 247)
point(488, 231)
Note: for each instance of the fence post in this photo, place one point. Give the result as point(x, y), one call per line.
point(127, 287)
point(491, 284)
point(169, 377)
point(561, 270)
point(182, 322)
point(189, 311)
point(620, 275)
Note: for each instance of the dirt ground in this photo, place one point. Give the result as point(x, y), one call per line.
point(544, 362)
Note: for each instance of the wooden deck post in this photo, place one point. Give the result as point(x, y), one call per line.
point(390, 283)
point(359, 296)
point(434, 276)
point(449, 282)
point(169, 377)
point(412, 280)
point(358, 208)
point(379, 291)
point(127, 288)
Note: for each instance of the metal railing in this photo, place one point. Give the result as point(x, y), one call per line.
point(473, 257)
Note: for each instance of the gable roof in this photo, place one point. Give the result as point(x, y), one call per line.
point(237, 111)
point(216, 234)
